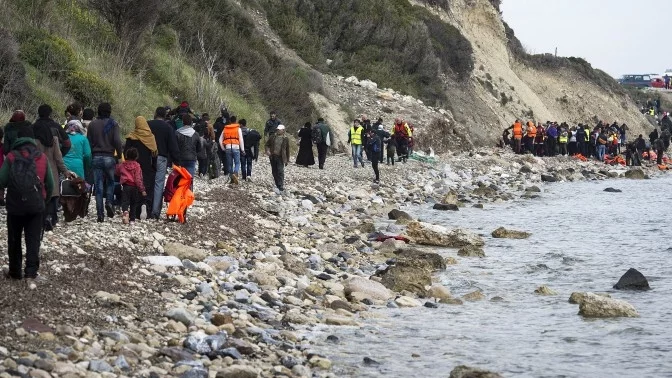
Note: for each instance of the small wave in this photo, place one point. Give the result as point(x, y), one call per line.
point(630, 331)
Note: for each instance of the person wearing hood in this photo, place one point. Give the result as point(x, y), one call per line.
point(105, 140)
point(379, 129)
point(47, 142)
point(44, 119)
point(305, 155)
point(142, 139)
point(189, 145)
point(78, 159)
point(25, 210)
point(16, 123)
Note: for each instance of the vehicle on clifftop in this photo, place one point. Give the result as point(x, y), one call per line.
point(637, 81)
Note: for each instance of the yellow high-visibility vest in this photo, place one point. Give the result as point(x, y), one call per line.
point(356, 135)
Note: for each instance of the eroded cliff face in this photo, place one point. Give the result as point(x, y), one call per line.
point(512, 85)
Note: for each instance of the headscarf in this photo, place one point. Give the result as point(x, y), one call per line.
point(144, 134)
point(43, 133)
point(75, 126)
point(18, 116)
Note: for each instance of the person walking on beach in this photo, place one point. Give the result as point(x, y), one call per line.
point(271, 125)
point(355, 140)
point(251, 139)
point(277, 149)
point(375, 147)
point(166, 144)
point(322, 141)
point(133, 187)
point(305, 157)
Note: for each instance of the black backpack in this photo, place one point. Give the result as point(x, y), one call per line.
point(24, 191)
point(316, 135)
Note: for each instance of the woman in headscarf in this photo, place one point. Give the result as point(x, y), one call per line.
point(142, 139)
point(17, 122)
point(48, 143)
point(305, 156)
point(78, 159)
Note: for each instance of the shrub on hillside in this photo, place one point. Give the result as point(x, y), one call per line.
point(47, 52)
point(13, 87)
point(87, 88)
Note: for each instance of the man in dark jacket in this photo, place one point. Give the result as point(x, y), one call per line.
point(271, 125)
point(659, 146)
point(105, 141)
point(166, 144)
point(44, 117)
point(251, 139)
point(23, 209)
point(323, 146)
point(383, 135)
point(581, 140)
point(220, 122)
point(277, 149)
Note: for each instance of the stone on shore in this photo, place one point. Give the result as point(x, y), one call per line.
point(463, 371)
point(439, 236)
point(474, 296)
point(597, 306)
point(163, 260)
point(238, 371)
point(185, 252)
point(545, 290)
point(181, 315)
point(368, 288)
point(439, 292)
point(405, 301)
point(445, 207)
point(471, 251)
point(399, 215)
point(635, 174)
point(431, 260)
point(632, 280)
point(412, 271)
point(613, 190)
point(503, 233)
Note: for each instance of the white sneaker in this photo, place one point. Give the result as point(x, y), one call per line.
point(143, 212)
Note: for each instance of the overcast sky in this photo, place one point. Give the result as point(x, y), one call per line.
point(617, 36)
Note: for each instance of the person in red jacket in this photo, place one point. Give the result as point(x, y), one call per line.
point(133, 189)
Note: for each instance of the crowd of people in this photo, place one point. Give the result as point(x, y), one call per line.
point(603, 142)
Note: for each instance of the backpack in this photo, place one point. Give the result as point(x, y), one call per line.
point(374, 145)
point(171, 185)
point(24, 190)
point(316, 135)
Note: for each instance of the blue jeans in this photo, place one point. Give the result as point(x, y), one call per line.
point(357, 154)
point(601, 148)
point(159, 183)
point(103, 177)
point(247, 165)
point(190, 166)
point(233, 160)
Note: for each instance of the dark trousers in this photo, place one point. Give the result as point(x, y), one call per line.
point(246, 164)
point(278, 170)
point(203, 166)
point(375, 159)
point(131, 200)
point(517, 145)
point(322, 150)
point(402, 149)
point(51, 214)
point(581, 148)
point(31, 227)
point(659, 159)
point(551, 147)
point(390, 155)
point(222, 158)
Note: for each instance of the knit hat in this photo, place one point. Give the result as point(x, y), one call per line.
point(18, 116)
point(281, 127)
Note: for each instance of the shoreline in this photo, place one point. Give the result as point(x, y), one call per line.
point(260, 267)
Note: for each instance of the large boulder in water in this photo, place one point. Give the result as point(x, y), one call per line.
point(471, 251)
point(439, 236)
point(597, 306)
point(632, 280)
point(503, 233)
point(577, 297)
point(366, 288)
point(635, 174)
point(412, 271)
point(429, 260)
point(463, 371)
point(445, 207)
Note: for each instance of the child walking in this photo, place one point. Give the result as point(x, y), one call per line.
point(133, 190)
point(391, 150)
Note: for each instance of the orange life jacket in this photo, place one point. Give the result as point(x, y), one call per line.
point(231, 134)
point(183, 196)
point(517, 130)
point(531, 130)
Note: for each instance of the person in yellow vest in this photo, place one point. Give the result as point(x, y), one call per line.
point(231, 142)
point(355, 140)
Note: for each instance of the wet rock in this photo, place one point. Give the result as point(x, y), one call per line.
point(439, 292)
point(577, 297)
point(474, 296)
point(433, 235)
point(340, 321)
point(431, 305)
point(503, 233)
point(463, 371)
point(533, 189)
point(471, 251)
point(632, 280)
point(613, 190)
point(597, 306)
point(238, 371)
point(445, 207)
point(333, 339)
point(450, 260)
point(430, 260)
point(635, 174)
point(181, 315)
point(370, 362)
point(545, 290)
point(370, 289)
point(407, 275)
point(405, 301)
point(202, 344)
point(399, 215)
point(289, 361)
point(184, 252)
point(548, 178)
point(320, 363)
